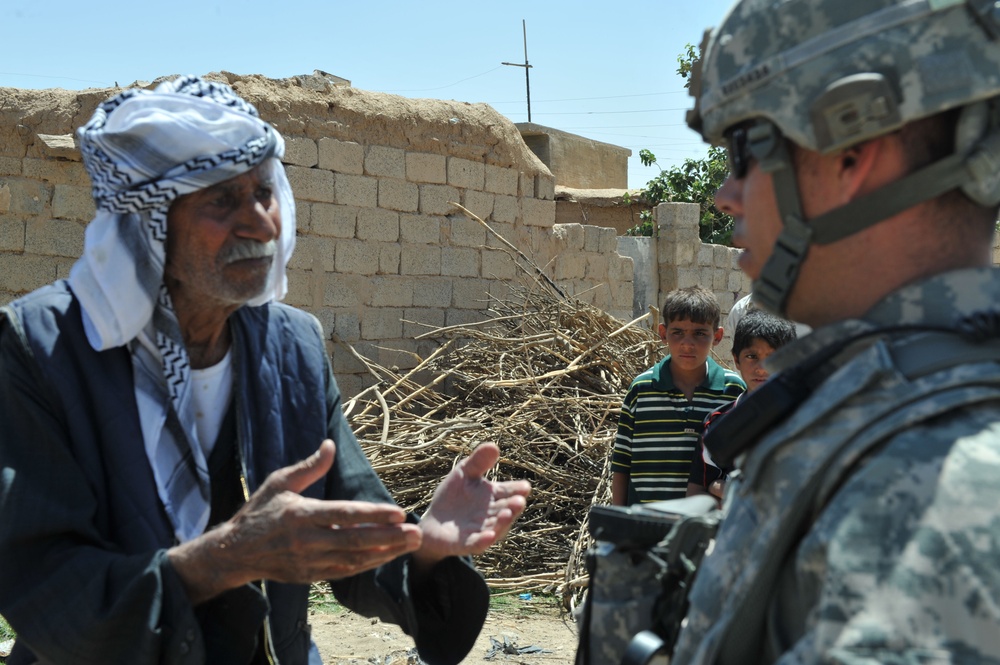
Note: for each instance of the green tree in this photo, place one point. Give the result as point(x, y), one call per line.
point(694, 181)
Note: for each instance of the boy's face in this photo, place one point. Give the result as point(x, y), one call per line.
point(750, 363)
point(689, 343)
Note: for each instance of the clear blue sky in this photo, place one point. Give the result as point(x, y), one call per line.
point(605, 70)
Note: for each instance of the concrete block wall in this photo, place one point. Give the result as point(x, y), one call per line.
point(382, 254)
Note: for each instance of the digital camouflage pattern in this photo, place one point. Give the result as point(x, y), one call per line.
point(831, 73)
point(900, 565)
point(622, 592)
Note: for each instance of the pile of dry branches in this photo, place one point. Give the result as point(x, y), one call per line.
point(544, 378)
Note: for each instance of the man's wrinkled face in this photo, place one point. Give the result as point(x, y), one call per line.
point(221, 240)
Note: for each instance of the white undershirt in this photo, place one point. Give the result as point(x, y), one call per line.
point(212, 388)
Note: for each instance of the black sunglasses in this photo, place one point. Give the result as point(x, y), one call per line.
point(738, 150)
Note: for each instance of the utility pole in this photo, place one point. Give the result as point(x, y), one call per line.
point(527, 79)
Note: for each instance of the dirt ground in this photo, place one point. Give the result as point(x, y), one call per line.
point(530, 632)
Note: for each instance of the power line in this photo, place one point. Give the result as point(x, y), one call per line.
point(584, 99)
point(43, 76)
point(450, 84)
point(682, 108)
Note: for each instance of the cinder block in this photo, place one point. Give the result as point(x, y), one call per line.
point(27, 197)
point(506, 209)
point(23, 273)
point(479, 204)
point(63, 266)
point(300, 291)
point(301, 151)
point(621, 269)
point(720, 258)
point(398, 355)
point(436, 199)
point(538, 213)
point(432, 292)
point(460, 262)
point(327, 319)
point(357, 190)
point(466, 232)
point(501, 181)
point(398, 195)
point(463, 317)
point(466, 173)
point(347, 325)
point(591, 238)
point(311, 184)
point(597, 268)
point(734, 280)
point(573, 235)
point(393, 291)
point(356, 257)
point(340, 291)
point(313, 253)
point(608, 241)
point(420, 229)
point(5, 197)
point(505, 231)
point(388, 258)
point(499, 264)
point(346, 363)
point(385, 162)
point(352, 384)
point(526, 185)
point(303, 216)
point(420, 320)
point(420, 260)
point(381, 323)
point(471, 294)
point(53, 237)
point(685, 254)
point(11, 233)
point(73, 202)
point(570, 265)
point(378, 224)
point(545, 187)
point(337, 221)
point(705, 256)
point(340, 156)
point(56, 172)
point(10, 166)
point(720, 279)
point(426, 167)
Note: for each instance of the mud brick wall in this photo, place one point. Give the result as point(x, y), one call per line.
point(382, 255)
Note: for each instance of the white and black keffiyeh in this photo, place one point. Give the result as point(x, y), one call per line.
point(143, 149)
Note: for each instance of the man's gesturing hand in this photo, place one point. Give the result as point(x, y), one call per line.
point(469, 513)
point(280, 535)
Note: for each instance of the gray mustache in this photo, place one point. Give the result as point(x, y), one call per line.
point(249, 249)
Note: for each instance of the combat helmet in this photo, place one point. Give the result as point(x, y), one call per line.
point(829, 74)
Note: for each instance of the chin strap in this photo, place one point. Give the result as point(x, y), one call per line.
point(975, 171)
point(777, 277)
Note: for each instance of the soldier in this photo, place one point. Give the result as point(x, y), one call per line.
point(864, 145)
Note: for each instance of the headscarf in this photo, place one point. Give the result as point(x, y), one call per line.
point(142, 150)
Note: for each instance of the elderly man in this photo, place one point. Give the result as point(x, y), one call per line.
point(864, 141)
point(162, 498)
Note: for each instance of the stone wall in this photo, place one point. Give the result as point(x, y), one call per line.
point(382, 254)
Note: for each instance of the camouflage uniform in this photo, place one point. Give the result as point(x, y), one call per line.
point(901, 564)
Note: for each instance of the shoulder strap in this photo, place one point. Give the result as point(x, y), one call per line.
point(915, 358)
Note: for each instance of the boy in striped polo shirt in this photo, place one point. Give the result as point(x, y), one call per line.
point(662, 415)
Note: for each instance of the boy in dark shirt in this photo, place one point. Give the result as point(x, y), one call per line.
point(758, 335)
